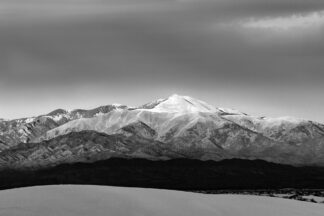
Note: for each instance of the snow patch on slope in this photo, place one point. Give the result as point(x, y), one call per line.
point(262, 123)
point(230, 111)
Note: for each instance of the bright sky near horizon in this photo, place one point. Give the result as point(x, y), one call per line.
point(262, 57)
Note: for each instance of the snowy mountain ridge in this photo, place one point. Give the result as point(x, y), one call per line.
point(24, 130)
point(175, 111)
point(179, 126)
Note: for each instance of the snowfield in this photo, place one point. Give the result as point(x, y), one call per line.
point(77, 200)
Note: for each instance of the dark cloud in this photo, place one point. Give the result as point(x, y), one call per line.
point(95, 52)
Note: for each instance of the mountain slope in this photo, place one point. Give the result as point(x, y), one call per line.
point(84, 146)
point(25, 130)
point(190, 125)
point(138, 141)
point(179, 126)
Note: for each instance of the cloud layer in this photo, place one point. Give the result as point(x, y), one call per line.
point(289, 23)
point(73, 54)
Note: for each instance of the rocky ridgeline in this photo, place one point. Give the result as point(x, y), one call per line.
point(176, 127)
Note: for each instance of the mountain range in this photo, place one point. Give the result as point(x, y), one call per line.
point(172, 128)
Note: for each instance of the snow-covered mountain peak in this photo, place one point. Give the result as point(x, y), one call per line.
point(183, 104)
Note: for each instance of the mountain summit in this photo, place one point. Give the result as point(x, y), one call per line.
point(175, 127)
point(182, 104)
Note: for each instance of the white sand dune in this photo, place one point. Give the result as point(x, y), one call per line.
point(115, 201)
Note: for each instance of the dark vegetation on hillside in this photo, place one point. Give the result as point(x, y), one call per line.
point(181, 174)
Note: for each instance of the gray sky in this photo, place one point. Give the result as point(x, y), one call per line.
point(263, 57)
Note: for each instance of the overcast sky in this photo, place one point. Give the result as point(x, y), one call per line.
point(263, 57)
